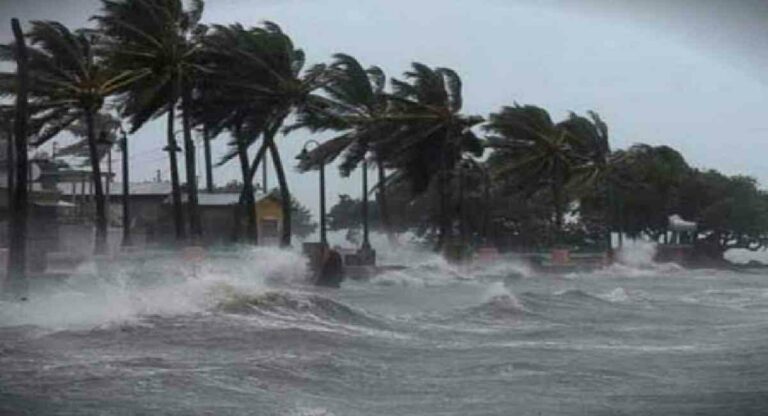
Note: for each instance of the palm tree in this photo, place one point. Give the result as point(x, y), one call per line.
point(428, 135)
point(258, 81)
point(224, 101)
point(157, 43)
point(68, 82)
point(535, 150)
point(571, 158)
point(354, 104)
point(595, 170)
point(105, 126)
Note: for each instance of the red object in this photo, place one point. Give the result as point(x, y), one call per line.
point(561, 256)
point(194, 253)
point(487, 253)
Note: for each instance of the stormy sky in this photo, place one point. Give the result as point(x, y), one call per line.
point(687, 73)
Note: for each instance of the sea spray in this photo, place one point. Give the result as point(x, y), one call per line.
point(155, 284)
point(499, 296)
point(637, 254)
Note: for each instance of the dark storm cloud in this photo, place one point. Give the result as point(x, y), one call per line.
point(733, 30)
point(730, 29)
point(74, 13)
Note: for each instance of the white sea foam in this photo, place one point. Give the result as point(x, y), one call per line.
point(125, 291)
point(497, 294)
point(618, 295)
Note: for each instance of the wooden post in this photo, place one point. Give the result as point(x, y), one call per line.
point(17, 260)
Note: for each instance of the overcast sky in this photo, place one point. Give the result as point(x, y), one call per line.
point(689, 74)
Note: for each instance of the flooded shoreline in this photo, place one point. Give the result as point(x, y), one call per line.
point(431, 339)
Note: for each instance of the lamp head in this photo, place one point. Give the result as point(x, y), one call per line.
point(303, 155)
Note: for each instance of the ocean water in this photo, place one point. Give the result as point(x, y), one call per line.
point(243, 334)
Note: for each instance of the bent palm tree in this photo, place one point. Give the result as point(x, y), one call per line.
point(429, 135)
point(68, 83)
point(265, 83)
point(594, 172)
point(539, 153)
point(354, 104)
point(157, 43)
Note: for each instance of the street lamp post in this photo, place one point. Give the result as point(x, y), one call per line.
point(304, 155)
point(126, 210)
point(366, 241)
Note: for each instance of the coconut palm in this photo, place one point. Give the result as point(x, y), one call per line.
point(535, 150)
point(428, 135)
point(596, 170)
point(256, 81)
point(157, 43)
point(223, 101)
point(68, 82)
point(355, 105)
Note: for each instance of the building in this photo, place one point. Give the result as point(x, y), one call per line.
point(46, 208)
point(222, 217)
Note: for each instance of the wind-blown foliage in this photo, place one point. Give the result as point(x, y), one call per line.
point(355, 105)
point(154, 58)
point(156, 43)
point(429, 135)
point(533, 153)
point(255, 80)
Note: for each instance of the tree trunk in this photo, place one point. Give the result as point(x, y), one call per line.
point(558, 206)
point(247, 192)
point(254, 167)
point(16, 283)
point(285, 193)
point(195, 224)
point(100, 245)
point(264, 177)
point(381, 195)
point(208, 161)
point(443, 217)
point(463, 228)
point(172, 148)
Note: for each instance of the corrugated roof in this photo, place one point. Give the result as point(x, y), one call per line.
point(116, 188)
point(59, 203)
point(217, 199)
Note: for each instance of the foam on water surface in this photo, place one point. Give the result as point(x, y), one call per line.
point(244, 332)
